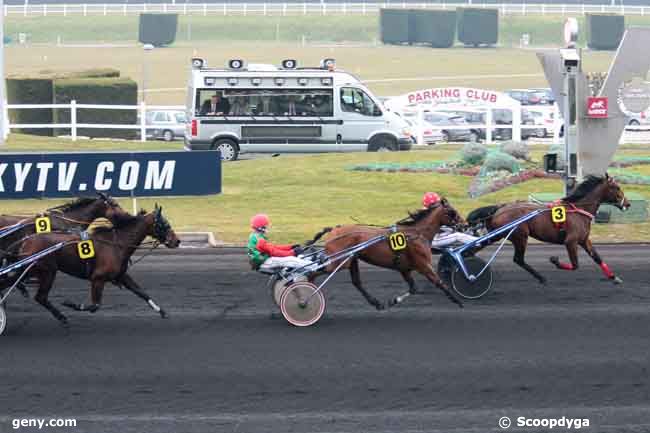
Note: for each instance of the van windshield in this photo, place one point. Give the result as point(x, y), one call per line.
point(356, 100)
point(264, 102)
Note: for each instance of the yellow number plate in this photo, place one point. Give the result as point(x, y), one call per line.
point(397, 241)
point(86, 249)
point(43, 225)
point(558, 214)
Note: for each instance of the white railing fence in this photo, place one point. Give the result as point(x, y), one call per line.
point(292, 9)
point(74, 125)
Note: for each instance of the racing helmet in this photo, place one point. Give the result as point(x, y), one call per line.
point(430, 198)
point(260, 221)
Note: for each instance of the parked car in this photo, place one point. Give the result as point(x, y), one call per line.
point(430, 133)
point(528, 96)
point(442, 120)
point(539, 120)
point(531, 125)
point(166, 124)
point(546, 95)
point(638, 119)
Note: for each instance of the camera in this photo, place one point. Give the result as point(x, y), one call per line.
point(570, 59)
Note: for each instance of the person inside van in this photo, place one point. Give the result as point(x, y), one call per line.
point(321, 106)
point(239, 106)
point(216, 106)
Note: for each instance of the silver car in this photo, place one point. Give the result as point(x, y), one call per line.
point(166, 124)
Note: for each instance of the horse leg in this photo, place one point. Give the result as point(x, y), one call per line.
point(408, 277)
point(520, 251)
point(433, 277)
point(572, 251)
point(589, 248)
point(130, 284)
point(356, 280)
point(45, 281)
point(96, 289)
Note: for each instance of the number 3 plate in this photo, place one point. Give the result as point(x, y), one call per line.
point(397, 241)
point(558, 214)
point(43, 225)
point(86, 249)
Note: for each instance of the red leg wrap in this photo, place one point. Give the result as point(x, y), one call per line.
point(565, 266)
point(608, 272)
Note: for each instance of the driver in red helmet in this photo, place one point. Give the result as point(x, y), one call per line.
point(263, 254)
point(447, 236)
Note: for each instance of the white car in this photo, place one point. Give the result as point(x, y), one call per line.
point(430, 133)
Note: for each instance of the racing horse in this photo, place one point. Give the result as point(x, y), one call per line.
point(419, 228)
point(77, 214)
point(580, 207)
point(113, 248)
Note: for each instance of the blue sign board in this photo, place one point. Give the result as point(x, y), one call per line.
point(120, 174)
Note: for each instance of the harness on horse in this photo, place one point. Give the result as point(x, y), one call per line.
point(559, 213)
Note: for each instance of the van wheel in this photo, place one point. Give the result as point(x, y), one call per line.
point(167, 135)
point(228, 148)
point(473, 137)
point(382, 143)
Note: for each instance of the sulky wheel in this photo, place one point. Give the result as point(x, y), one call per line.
point(3, 318)
point(471, 289)
point(278, 288)
point(301, 304)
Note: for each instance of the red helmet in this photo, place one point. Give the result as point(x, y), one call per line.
point(260, 220)
point(430, 198)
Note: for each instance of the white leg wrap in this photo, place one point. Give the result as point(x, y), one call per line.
point(153, 305)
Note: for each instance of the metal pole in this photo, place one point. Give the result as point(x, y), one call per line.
point(2, 75)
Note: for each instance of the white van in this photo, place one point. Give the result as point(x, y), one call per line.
point(269, 109)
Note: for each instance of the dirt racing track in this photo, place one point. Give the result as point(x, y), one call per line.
point(576, 348)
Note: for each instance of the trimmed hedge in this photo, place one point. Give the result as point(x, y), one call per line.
point(158, 29)
point(30, 91)
point(396, 26)
point(605, 32)
point(437, 28)
point(478, 26)
point(122, 91)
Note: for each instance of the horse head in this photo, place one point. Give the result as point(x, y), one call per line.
point(161, 229)
point(613, 194)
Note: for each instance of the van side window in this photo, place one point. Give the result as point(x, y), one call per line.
point(265, 102)
point(357, 101)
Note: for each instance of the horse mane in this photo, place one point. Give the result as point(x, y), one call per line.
point(121, 222)
point(588, 185)
point(417, 216)
point(74, 204)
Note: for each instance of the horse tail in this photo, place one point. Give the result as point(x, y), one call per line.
point(482, 214)
point(319, 235)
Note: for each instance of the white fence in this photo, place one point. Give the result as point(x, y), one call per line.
point(74, 125)
point(287, 9)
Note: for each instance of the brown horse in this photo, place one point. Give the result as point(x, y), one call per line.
point(419, 230)
point(77, 214)
point(581, 207)
point(113, 248)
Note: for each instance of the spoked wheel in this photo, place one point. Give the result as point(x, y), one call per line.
point(279, 286)
point(301, 304)
point(471, 289)
point(3, 318)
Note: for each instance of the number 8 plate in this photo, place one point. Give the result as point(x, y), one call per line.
point(86, 249)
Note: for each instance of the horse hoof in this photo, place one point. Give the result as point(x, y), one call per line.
point(380, 306)
point(555, 260)
point(72, 305)
point(163, 314)
point(617, 280)
point(275, 316)
point(64, 322)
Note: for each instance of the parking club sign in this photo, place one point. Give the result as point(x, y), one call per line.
point(597, 107)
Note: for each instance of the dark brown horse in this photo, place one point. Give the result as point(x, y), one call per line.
point(419, 229)
point(113, 248)
point(74, 215)
point(581, 206)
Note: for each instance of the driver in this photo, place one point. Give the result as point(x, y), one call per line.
point(447, 236)
point(267, 256)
